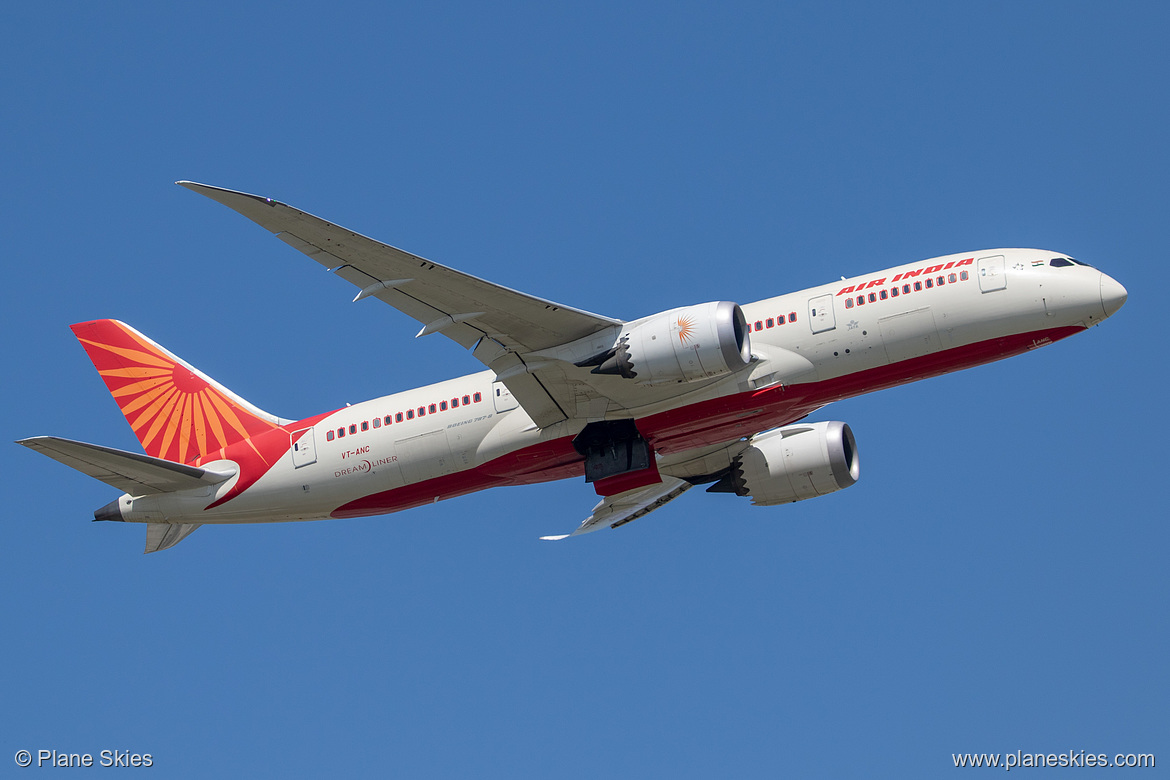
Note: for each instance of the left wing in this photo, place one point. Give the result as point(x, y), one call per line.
point(627, 507)
point(506, 324)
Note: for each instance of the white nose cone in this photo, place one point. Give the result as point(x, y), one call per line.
point(1113, 295)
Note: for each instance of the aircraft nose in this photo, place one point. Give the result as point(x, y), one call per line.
point(1113, 295)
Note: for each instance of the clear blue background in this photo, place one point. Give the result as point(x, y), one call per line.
point(997, 581)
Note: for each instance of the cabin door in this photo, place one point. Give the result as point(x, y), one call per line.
point(820, 314)
point(991, 274)
point(304, 449)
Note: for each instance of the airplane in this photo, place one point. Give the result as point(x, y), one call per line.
point(712, 394)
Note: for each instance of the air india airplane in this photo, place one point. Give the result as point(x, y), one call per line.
point(715, 393)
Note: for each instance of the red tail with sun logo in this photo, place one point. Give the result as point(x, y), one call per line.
point(176, 411)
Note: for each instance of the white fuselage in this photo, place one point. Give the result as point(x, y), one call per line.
point(810, 348)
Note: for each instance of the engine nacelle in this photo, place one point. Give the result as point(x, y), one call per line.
point(681, 345)
point(794, 463)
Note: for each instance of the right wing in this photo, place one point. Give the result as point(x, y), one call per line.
point(679, 472)
point(627, 507)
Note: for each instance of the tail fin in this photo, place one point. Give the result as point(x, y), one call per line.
point(177, 412)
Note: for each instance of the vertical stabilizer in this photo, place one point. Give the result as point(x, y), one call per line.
point(177, 412)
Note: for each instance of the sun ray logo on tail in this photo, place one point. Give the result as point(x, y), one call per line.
point(176, 412)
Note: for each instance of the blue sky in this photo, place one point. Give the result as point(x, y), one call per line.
point(996, 581)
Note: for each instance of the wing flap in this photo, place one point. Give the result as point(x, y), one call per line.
point(129, 472)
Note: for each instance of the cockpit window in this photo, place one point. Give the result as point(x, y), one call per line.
point(1060, 262)
point(1078, 262)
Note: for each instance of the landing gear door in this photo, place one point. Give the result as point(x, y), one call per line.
point(820, 314)
point(991, 274)
point(502, 397)
point(304, 450)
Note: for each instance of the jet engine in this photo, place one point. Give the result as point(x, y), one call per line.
point(681, 345)
point(793, 463)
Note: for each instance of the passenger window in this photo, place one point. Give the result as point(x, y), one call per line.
point(918, 287)
point(454, 403)
point(377, 422)
point(929, 283)
point(941, 281)
point(477, 398)
point(341, 433)
point(860, 300)
point(422, 411)
point(398, 417)
point(792, 316)
point(759, 325)
point(467, 399)
point(964, 275)
point(769, 322)
point(329, 436)
point(893, 292)
point(848, 303)
point(952, 278)
point(442, 406)
point(353, 428)
point(431, 408)
point(905, 289)
point(883, 295)
point(872, 297)
point(410, 414)
point(387, 419)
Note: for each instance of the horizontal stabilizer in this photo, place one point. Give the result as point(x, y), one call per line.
point(129, 472)
point(163, 536)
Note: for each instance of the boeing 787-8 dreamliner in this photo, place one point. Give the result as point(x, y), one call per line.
point(715, 393)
